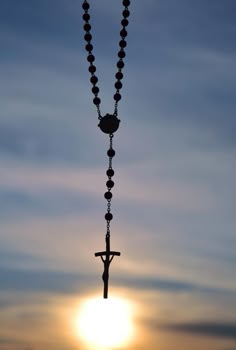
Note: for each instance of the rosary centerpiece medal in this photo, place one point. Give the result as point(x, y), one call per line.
point(109, 123)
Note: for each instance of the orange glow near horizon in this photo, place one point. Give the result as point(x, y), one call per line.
point(104, 323)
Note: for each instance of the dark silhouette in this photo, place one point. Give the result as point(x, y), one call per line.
point(109, 255)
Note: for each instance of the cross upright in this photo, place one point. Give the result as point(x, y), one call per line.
point(106, 257)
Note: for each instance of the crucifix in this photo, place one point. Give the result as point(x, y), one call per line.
point(109, 255)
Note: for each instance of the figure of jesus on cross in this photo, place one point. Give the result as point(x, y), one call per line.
point(109, 255)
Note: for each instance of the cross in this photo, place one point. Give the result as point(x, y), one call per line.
point(109, 255)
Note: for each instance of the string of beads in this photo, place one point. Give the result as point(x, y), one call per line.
point(91, 58)
point(108, 123)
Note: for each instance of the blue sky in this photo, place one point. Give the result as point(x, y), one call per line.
point(174, 194)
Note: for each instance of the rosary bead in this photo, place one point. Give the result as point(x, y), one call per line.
point(89, 47)
point(86, 17)
point(87, 27)
point(123, 33)
point(118, 85)
point(120, 64)
point(111, 153)
point(126, 13)
point(108, 216)
point(108, 195)
point(92, 69)
point(109, 123)
point(110, 172)
point(94, 80)
point(85, 6)
point(124, 22)
point(126, 3)
point(96, 101)
point(119, 76)
point(117, 97)
point(95, 90)
point(88, 37)
point(91, 58)
point(110, 184)
point(122, 43)
point(121, 54)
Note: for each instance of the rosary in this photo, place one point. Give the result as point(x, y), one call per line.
point(108, 124)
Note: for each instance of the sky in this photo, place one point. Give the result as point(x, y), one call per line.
point(174, 196)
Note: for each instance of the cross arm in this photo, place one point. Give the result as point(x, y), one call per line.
point(105, 253)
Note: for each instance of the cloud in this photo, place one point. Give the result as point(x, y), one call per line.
point(6, 341)
point(35, 180)
point(161, 284)
point(56, 281)
point(206, 328)
point(11, 343)
point(19, 204)
point(42, 281)
point(43, 20)
point(13, 258)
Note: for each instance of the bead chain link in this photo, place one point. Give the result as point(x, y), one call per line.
point(110, 184)
point(95, 90)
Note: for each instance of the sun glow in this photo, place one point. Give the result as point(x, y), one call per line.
point(105, 323)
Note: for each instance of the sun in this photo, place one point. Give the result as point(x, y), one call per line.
point(105, 323)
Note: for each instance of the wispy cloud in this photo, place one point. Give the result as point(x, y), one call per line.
point(209, 328)
point(42, 281)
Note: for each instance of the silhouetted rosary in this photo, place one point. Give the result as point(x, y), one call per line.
point(108, 124)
